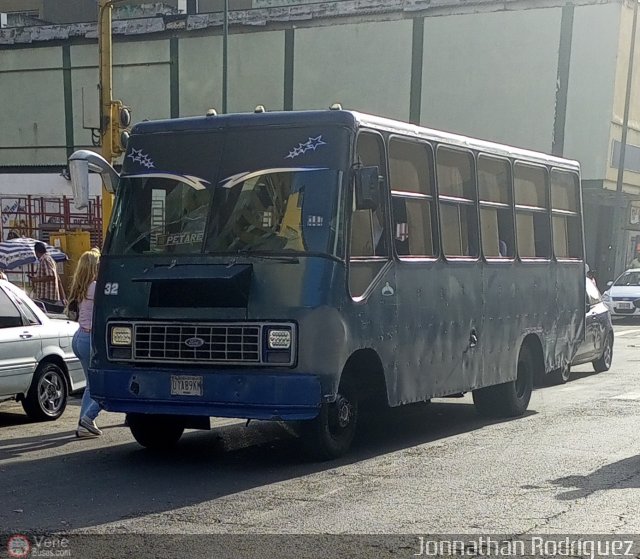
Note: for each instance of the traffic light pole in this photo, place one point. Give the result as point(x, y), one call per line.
point(106, 92)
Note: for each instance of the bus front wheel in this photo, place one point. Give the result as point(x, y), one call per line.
point(509, 399)
point(330, 434)
point(155, 432)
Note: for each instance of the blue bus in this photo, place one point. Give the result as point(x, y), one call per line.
point(297, 266)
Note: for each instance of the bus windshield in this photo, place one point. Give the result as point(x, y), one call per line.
point(284, 209)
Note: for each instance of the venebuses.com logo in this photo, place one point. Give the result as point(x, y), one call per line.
point(18, 546)
point(21, 546)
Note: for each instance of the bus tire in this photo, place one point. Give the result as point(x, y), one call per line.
point(155, 432)
point(509, 399)
point(603, 363)
point(330, 435)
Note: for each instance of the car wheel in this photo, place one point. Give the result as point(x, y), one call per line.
point(47, 395)
point(509, 399)
point(603, 363)
point(155, 432)
point(560, 376)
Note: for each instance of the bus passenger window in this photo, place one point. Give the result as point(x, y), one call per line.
point(496, 207)
point(411, 180)
point(567, 229)
point(532, 213)
point(457, 202)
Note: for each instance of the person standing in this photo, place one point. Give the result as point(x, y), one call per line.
point(82, 294)
point(46, 283)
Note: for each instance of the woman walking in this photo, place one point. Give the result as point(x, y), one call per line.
point(81, 296)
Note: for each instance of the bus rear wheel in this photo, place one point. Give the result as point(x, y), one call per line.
point(509, 399)
point(330, 435)
point(155, 432)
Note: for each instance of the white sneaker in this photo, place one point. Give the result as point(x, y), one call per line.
point(83, 433)
point(89, 425)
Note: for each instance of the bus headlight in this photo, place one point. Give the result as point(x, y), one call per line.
point(279, 339)
point(121, 335)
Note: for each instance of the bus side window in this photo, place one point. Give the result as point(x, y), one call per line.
point(567, 230)
point(361, 233)
point(370, 153)
point(457, 202)
point(369, 234)
point(411, 179)
point(496, 207)
point(532, 211)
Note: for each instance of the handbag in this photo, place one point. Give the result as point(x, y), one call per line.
point(73, 310)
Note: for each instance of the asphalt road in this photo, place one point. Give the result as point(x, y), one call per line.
point(570, 465)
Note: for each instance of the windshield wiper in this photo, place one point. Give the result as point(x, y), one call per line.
point(262, 255)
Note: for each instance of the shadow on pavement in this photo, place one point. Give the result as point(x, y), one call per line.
point(624, 474)
point(92, 486)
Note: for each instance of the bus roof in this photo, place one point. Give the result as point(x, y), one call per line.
point(351, 119)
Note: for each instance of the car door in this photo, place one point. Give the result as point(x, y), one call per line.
point(598, 316)
point(588, 348)
point(19, 347)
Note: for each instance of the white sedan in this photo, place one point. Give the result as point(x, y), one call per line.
point(37, 365)
point(621, 294)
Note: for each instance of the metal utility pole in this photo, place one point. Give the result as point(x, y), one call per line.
point(225, 58)
point(619, 213)
point(106, 92)
point(115, 118)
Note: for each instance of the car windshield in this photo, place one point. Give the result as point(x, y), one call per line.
point(631, 278)
point(267, 210)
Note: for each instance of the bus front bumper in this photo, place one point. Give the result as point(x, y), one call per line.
point(254, 394)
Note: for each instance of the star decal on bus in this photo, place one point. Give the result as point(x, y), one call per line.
point(310, 144)
point(138, 156)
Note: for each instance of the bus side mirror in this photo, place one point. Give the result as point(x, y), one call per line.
point(80, 163)
point(79, 171)
point(367, 188)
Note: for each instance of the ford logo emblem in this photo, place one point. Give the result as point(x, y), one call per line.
point(194, 342)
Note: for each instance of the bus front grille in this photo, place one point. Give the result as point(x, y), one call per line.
point(197, 343)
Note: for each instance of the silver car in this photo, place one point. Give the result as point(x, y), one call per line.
point(622, 293)
point(37, 365)
point(597, 347)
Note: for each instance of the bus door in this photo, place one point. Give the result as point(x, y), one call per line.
point(439, 299)
point(371, 274)
point(457, 282)
point(421, 354)
point(501, 330)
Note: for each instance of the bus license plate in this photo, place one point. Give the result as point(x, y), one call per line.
point(625, 306)
point(183, 385)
